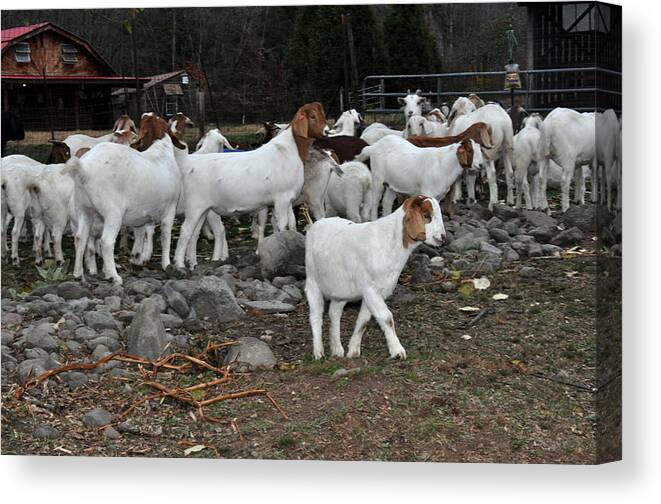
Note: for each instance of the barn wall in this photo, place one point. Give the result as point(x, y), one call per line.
point(45, 47)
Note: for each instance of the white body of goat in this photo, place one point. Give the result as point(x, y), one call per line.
point(376, 131)
point(608, 153)
point(569, 140)
point(408, 169)
point(213, 141)
point(421, 126)
point(528, 155)
point(347, 124)
point(351, 194)
point(463, 115)
point(346, 262)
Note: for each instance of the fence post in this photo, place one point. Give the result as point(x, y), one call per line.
point(438, 90)
point(382, 101)
point(201, 121)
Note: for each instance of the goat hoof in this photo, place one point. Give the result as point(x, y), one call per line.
point(399, 354)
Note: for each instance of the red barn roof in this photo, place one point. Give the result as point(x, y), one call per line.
point(18, 31)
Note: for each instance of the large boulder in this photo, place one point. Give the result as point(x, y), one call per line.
point(568, 237)
point(583, 217)
point(282, 254)
point(252, 352)
point(101, 319)
point(537, 219)
point(146, 335)
point(212, 299)
point(505, 212)
point(72, 290)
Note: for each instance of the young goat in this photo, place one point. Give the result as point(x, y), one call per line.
point(345, 262)
point(351, 194)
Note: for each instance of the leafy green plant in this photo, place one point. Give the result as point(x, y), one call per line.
point(52, 273)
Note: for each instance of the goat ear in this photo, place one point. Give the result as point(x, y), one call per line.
point(300, 124)
point(177, 143)
point(465, 154)
point(485, 138)
point(414, 221)
point(400, 100)
point(418, 91)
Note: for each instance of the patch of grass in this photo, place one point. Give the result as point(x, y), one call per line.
point(285, 442)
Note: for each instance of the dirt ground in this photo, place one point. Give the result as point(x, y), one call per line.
point(517, 386)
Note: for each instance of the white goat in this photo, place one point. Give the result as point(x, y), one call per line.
point(376, 131)
point(127, 187)
point(413, 104)
point(213, 141)
point(345, 262)
point(528, 155)
point(246, 182)
point(569, 140)
point(121, 133)
point(347, 124)
point(351, 194)
point(463, 115)
point(421, 126)
point(607, 132)
point(407, 169)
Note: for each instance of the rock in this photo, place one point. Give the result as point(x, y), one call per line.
point(72, 290)
point(524, 238)
point(36, 353)
point(464, 243)
point(213, 300)
point(79, 305)
point(85, 334)
point(53, 298)
point(617, 226)
point(401, 295)
point(282, 254)
point(176, 300)
point(489, 263)
point(100, 351)
point(146, 335)
point(141, 287)
point(550, 250)
point(280, 282)
point(114, 303)
point(160, 302)
point(421, 270)
point(73, 346)
point(112, 344)
point(294, 293)
point(125, 316)
point(38, 307)
point(226, 269)
point(74, 379)
point(341, 373)
point(500, 235)
point(97, 418)
point(512, 227)
point(253, 352)
point(101, 320)
point(171, 321)
point(480, 212)
point(505, 212)
point(448, 286)
point(543, 234)
point(461, 264)
point(530, 272)
point(535, 250)
point(31, 368)
point(437, 263)
point(490, 249)
point(46, 432)
point(108, 289)
point(11, 319)
point(509, 254)
point(583, 217)
point(494, 223)
point(41, 336)
point(268, 306)
point(539, 219)
point(568, 237)
point(250, 272)
point(110, 433)
point(7, 337)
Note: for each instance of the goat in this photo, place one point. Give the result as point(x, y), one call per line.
point(213, 141)
point(527, 157)
point(376, 131)
point(463, 115)
point(569, 140)
point(346, 148)
point(607, 133)
point(478, 132)
point(351, 194)
point(346, 262)
point(413, 104)
point(348, 124)
point(477, 101)
point(408, 169)
point(234, 183)
point(130, 187)
point(420, 126)
point(123, 124)
point(517, 114)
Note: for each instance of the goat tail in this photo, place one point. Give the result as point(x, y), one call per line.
point(544, 141)
point(74, 168)
point(364, 154)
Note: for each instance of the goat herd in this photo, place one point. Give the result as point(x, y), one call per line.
point(135, 178)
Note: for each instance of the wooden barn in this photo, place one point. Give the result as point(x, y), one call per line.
point(53, 79)
point(572, 36)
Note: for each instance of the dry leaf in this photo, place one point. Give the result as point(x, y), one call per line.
point(481, 283)
point(469, 309)
point(194, 449)
point(466, 337)
point(466, 289)
point(500, 296)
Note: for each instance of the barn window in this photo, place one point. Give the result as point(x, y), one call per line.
point(69, 53)
point(22, 52)
point(586, 17)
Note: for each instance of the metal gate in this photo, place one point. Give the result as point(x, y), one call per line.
point(581, 88)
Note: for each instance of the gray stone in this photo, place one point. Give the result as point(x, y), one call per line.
point(421, 270)
point(171, 321)
point(160, 302)
point(280, 282)
point(213, 300)
point(11, 319)
point(551, 250)
point(512, 227)
point(543, 234)
point(464, 243)
point(108, 289)
point(111, 433)
point(72, 290)
point(568, 237)
point(500, 235)
point(101, 320)
point(36, 353)
point(583, 217)
point(38, 306)
point(141, 287)
point(111, 343)
point(85, 334)
point(176, 300)
point(226, 269)
point(146, 335)
point(342, 372)
point(257, 290)
point(490, 249)
point(494, 223)
point(282, 254)
point(509, 254)
point(294, 293)
point(114, 303)
point(448, 286)
point(480, 212)
point(437, 263)
point(73, 346)
point(7, 337)
point(74, 379)
point(524, 238)
point(530, 272)
point(53, 298)
point(46, 432)
point(535, 250)
point(79, 305)
point(98, 417)
point(538, 219)
point(100, 351)
point(31, 368)
point(41, 336)
point(251, 351)
point(268, 306)
point(125, 316)
point(505, 212)
point(401, 295)
point(461, 264)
